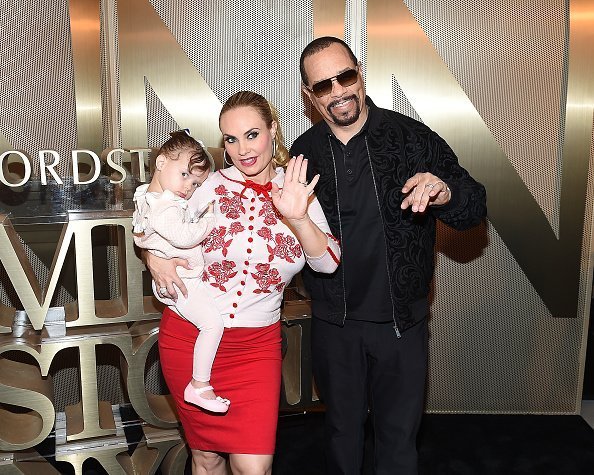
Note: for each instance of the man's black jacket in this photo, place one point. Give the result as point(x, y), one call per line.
point(398, 147)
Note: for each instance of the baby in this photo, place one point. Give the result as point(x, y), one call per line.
point(164, 225)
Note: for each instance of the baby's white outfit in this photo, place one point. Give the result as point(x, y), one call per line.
point(167, 227)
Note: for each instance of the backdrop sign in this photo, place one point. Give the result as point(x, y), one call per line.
point(108, 80)
point(48, 160)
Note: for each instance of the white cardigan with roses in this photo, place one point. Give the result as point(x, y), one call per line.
point(251, 254)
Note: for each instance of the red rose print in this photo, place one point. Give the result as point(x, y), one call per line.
point(235, 228)
point(269, 212)
point(218, 273)
point(266, 278)
point(266, 233)
point(286, 248)
point(221, 190)
point(231, 207)
point(216, 240)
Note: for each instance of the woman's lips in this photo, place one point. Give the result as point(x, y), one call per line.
point(248, 162)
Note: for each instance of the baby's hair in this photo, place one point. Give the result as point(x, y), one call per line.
point(181, 141)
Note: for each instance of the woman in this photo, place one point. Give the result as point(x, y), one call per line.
point(268, 225)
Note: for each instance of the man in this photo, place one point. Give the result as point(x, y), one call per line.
point(384, 179)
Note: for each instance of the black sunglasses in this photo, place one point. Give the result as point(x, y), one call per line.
point(323, 88)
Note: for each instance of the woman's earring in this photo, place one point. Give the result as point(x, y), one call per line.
point(229, 164)
point(273, 148)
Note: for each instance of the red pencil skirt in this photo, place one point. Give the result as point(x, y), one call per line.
point(246, 370)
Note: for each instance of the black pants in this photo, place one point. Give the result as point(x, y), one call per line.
point(364, 365)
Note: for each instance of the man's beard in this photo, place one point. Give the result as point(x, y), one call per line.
point(348, 120)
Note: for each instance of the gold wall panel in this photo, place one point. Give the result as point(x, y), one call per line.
point(329, 18)
point(85, 29)
point(130, 304)
point(149, 52)
point(397, 45)
point(37, 94)
point(511, 298)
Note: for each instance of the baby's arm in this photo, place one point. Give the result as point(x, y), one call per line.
point(169, 221)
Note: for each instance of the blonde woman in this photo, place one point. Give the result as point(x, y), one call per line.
point(268, 226)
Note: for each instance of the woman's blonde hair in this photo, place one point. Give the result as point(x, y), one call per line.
point(268, 113)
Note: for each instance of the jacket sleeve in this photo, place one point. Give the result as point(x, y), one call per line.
point(329, 260)
point(468, 204)
point(169, 220)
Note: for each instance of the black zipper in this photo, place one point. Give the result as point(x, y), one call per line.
point(339, 230)
point(398, 335)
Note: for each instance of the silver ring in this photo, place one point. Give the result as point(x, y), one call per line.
point(429, 185)
point(162, 290)
point(304, 183)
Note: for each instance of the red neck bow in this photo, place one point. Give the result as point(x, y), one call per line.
point(259, 189)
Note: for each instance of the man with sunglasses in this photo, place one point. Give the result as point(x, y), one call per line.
point(384, 180)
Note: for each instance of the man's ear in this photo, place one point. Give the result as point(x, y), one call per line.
point(307, 92)
point(160, 161)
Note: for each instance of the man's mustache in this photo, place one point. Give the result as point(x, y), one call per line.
point(336, 102)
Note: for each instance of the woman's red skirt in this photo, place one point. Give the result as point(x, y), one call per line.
point(246, 370)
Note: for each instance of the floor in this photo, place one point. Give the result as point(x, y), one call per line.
point(459, 444)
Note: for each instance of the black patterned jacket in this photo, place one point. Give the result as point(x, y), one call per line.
point(398, 148)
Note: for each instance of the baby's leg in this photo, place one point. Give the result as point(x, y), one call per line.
point(199, 308)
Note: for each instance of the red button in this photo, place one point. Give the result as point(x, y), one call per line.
point(251, 218)
point(247, 263)
point(252, 208)
point(242, 282)
point(250, 227)
point(253, 199)
point(245, 272)
point(250, 239)
point(234, 305)
point(239, 292)
point(232, 315)
point(249, 251)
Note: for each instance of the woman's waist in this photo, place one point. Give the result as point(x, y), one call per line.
point(176, 327)
point(250, 320)
point(248, 303)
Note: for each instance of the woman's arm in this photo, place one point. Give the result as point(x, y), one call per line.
point(305, 217)
point(328, 261)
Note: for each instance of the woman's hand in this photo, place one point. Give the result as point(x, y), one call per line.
point(293, 199)
point(165, 274)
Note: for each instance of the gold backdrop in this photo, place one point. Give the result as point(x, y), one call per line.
point(509, 85)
